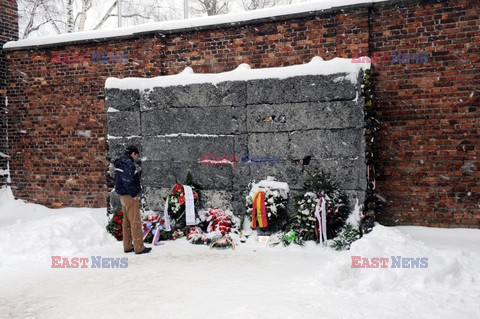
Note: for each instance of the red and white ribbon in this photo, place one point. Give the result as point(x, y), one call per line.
point(189, 206)
point(321, 216)
point(165, 216)
point(156, 237)
point(147, 230)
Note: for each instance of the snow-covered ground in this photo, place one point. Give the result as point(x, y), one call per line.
point(180, 280)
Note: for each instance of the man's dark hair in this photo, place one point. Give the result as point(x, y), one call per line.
point(132, 149)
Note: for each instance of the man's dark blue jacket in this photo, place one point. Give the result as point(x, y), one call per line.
point(126, 181)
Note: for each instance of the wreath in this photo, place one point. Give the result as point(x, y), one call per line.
point(305, 224)
point(266, 205)
point(215, 225)
point(176, 202)
point(114, 225)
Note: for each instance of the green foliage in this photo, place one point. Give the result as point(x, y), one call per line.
point(348, 235)
point(191, 182)
point(291, 237)
point(114, 226)
point(176, 201)
point(337, 207)
point(222, 243)
point(275, 206)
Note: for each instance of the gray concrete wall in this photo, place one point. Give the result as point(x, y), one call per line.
point(291, 118)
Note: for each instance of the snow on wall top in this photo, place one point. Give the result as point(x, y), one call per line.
point(317, 66)
point(231, 18)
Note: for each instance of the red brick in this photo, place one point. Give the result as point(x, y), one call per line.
point(425, 110)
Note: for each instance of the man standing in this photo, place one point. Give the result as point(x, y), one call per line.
point(127, 185)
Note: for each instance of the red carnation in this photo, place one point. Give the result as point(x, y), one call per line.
point(178, 187)
point(120, 213)
point(181, 200)
point(119, 221)
point(119, 227)
point(162, 222)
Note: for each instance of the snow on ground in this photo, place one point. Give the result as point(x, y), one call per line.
point(180, 280)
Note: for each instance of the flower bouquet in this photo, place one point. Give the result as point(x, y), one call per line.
point(214, 225)
point(114, 226)
point(223, 243)
point(318, 186)
point(151, 224)
point(176, 201)
point(267, 205)
point(219, 220)
point(196, 236)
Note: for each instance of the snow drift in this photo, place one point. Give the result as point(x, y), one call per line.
point(180, 280)
point(32, 233)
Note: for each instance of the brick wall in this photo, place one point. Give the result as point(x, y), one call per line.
point(50, 102)
point(8, 32)
point(426, 144)
point(429, 142)
point(57, 124)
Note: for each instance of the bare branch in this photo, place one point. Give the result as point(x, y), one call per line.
point(106, 16)
point(259, 4)
point(49, 18)
point(133, 15)
point(36, 27)
point(212, 7)
point(29, 28)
